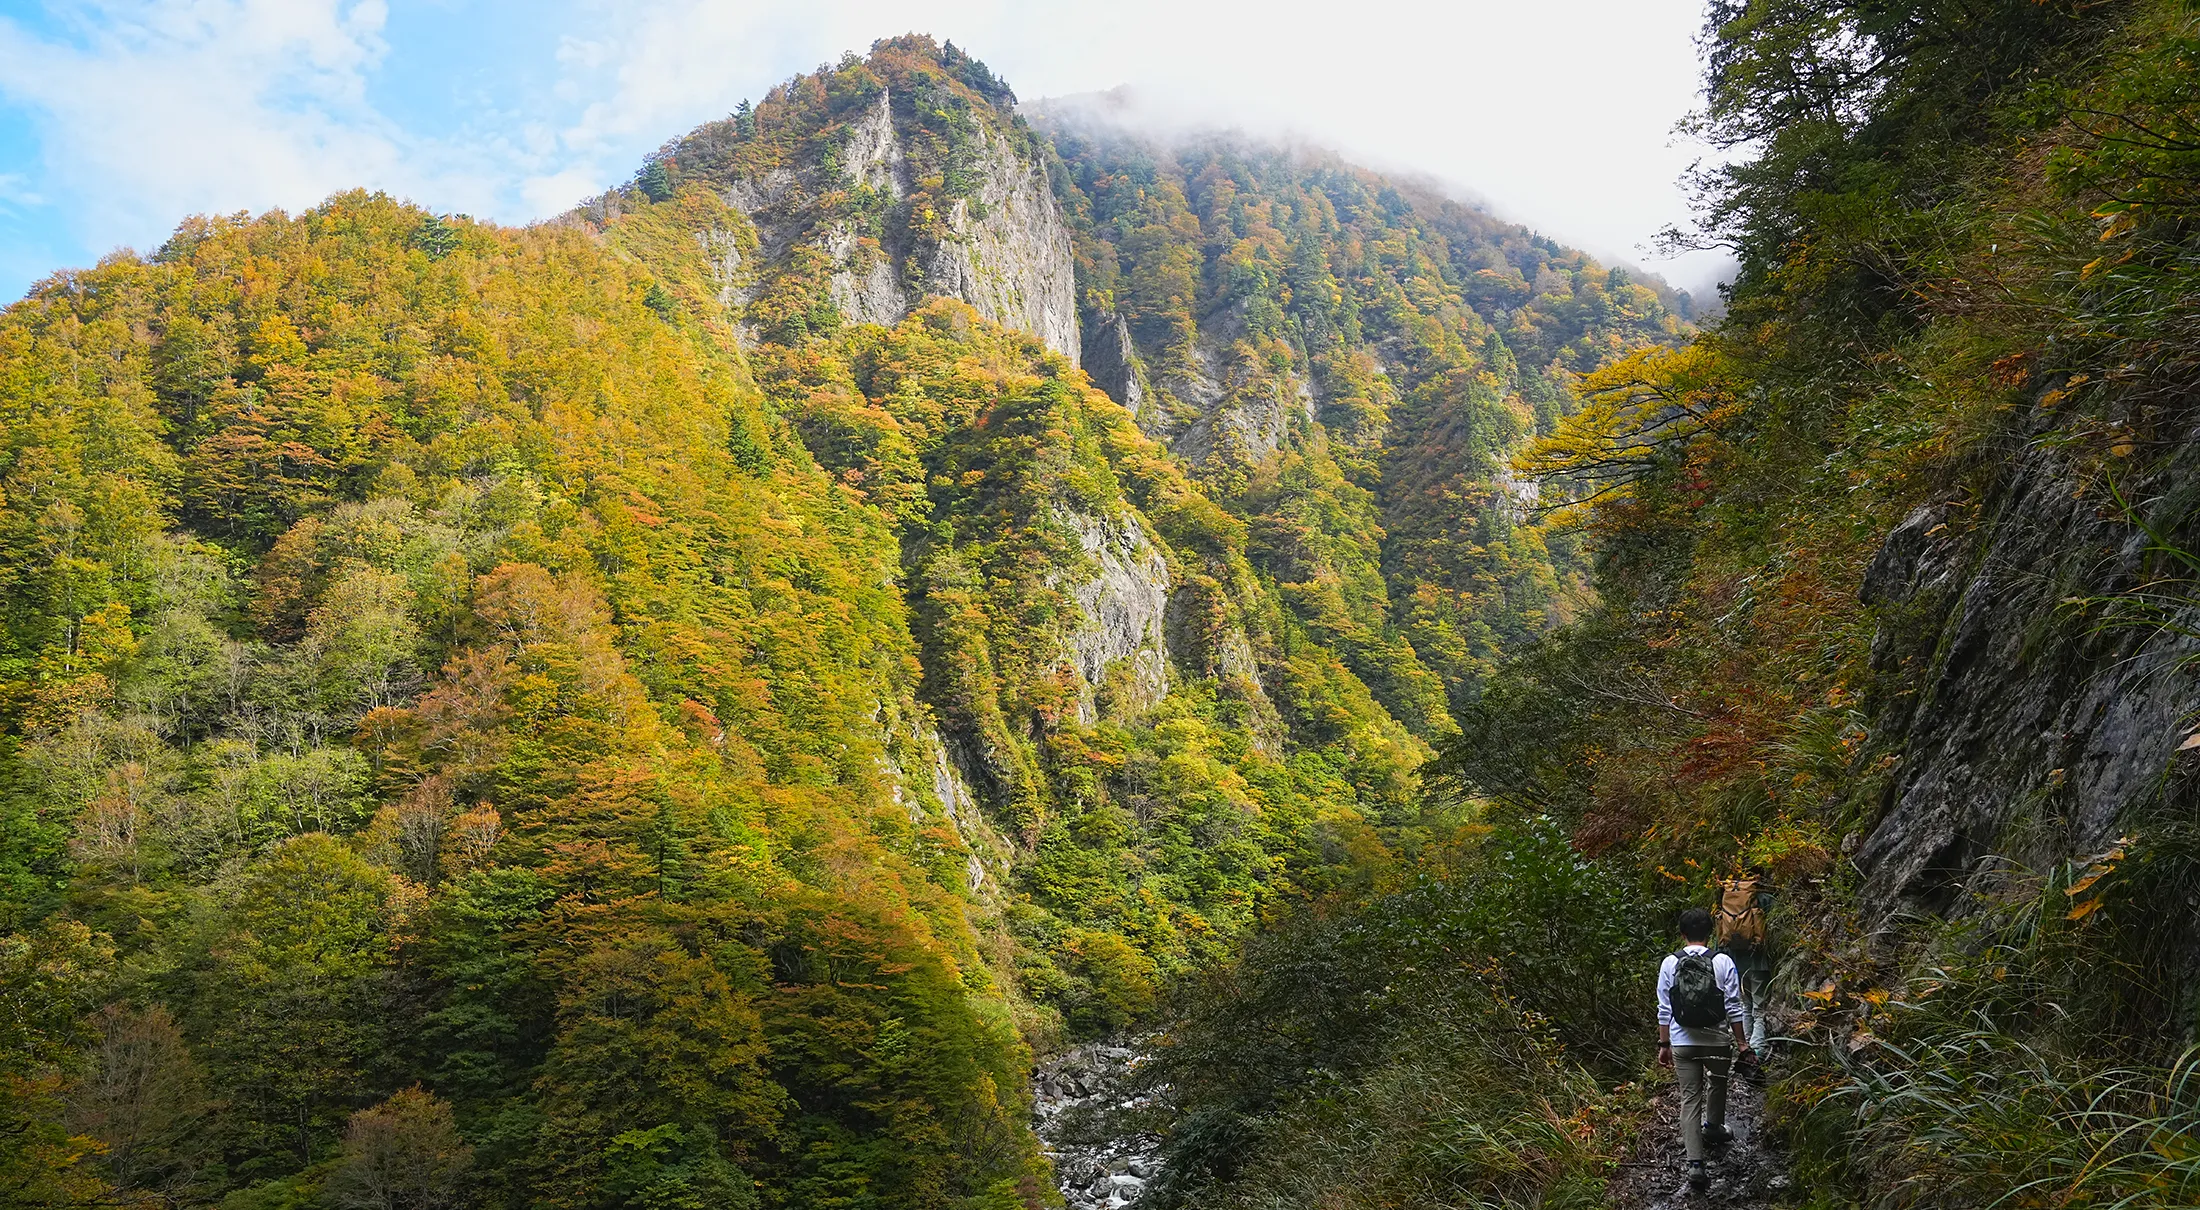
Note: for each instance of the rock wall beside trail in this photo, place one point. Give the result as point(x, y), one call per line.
point(2027, 721)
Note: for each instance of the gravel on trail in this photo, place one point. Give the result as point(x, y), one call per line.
point(1750, 1173)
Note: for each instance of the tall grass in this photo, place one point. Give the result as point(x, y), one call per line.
point(1977, 1117)
point(2042, 1057)
point(1473, 1114)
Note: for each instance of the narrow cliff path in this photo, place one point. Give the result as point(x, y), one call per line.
point(1749, 1173)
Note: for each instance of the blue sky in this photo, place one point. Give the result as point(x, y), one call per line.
point(120, 117)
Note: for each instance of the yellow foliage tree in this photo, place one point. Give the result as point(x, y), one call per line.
point(1635, 413)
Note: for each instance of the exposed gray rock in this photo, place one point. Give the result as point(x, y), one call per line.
point(1921, 555)
point(1085, 1108)
point(1194, 384)
point(1124, 608)
point(872, 155)
point(1228, 403)
point(1249, 427)
point(774, 204)
point(866, 286)
point(1011, 258)
point(970, 823)
point(2025, 727)
point(1520, 495)
point(1112, 362)
point(763, 191)
point(950, 794)
point(723, 249)
point(1007, 251)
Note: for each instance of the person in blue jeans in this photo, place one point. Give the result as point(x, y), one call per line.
point(1701, 1054)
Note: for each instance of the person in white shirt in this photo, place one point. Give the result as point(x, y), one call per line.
point(1700, 1053)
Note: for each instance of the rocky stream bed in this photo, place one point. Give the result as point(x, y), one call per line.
point(1084, 1097)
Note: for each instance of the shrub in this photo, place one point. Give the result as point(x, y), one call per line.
point(1431, 1046)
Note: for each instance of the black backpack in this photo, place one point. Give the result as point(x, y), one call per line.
point(1697, 1001)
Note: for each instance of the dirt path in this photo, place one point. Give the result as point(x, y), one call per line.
point(1749, 1173)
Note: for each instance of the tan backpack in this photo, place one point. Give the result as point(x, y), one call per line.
point(1741, 923)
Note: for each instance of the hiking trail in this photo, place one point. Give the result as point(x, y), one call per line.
point(1749, 1173)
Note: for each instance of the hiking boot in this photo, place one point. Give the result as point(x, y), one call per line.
point(1717, 1136)
point(1697, 1177)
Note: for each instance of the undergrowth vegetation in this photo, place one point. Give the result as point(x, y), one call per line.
point(1463, 1036)
point(2038, 1052)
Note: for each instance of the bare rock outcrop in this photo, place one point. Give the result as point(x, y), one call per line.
point(1124, 608)
point(1005, 248)
point(1218, 398)
point(2021, 718)
point(1008, 254)
point(1112, 362)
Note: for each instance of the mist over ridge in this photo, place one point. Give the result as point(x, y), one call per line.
point(1132, 113)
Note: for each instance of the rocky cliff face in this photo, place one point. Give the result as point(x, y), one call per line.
point(2034, 657)
point(1221, 397)
point(1123, 608)
point(1008, 252)
point(1249, 406)
point(1112, 362)
point(1002, 247)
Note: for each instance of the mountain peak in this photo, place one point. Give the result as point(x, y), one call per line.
point(877, 183)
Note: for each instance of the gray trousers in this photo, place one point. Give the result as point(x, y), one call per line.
point(1702, 1072)
point(1755, 970)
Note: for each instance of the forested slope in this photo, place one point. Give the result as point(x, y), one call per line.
point(668, 707)
point(436, 667)
point(1347, 362)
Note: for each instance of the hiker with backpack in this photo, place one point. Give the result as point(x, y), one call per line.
point(1740, 923)
point(1700, 1030)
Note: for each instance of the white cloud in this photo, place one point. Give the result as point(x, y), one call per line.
point(156, 110)
point(192, 107)
point(556, 192)
point(17, 191)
